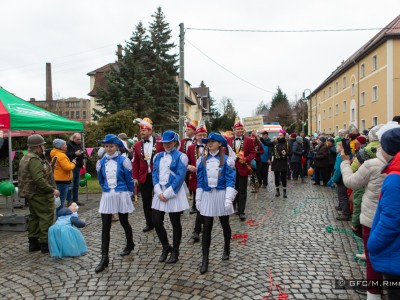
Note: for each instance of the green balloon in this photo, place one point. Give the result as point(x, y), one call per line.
point(7, 188)
point(82, 183)
point(88, 176)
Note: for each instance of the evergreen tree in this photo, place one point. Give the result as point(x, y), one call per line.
point(164, 87)
point(280, 110)
point(128, 84)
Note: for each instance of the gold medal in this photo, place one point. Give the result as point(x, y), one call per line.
point(147, 156)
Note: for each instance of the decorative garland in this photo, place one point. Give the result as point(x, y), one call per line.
point(358, 240)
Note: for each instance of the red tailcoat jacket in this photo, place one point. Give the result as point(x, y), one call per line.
point(140, 166)
point(249, 153)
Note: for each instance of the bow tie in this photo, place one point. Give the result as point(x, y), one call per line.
point(146, 141)
point(238, 139)
point(200, 146)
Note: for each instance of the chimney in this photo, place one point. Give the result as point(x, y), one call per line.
point(49, 87)
point(119, 51)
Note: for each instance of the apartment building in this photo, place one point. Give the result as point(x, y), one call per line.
point(364, 90)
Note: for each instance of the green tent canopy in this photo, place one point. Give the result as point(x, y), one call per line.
point(23, 118)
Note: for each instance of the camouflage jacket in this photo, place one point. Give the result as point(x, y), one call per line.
point(35, 176)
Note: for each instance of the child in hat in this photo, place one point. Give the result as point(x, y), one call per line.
point(65, 239)
point(216, 176)
point(169, 172)
point(114, 173)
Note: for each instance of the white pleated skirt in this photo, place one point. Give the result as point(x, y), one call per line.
point(213, 204)
point(116, 202)
point(177, 204)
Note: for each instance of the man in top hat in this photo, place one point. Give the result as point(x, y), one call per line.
point(245, 152)
point(142, 167)
point(195, 151)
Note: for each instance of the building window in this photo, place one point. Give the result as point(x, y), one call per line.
point(336, 129)
point(374, 63)
point(362, 98)
point(66, 104)
point(77, 114)
point(77, 104)
point(374, 93)
point(329, 130)
point(330, 112)
point(72, 114)
point(84, 114)
point(67, 114)
point(336, 87)
point(362, 124)
point(374, 121)
point(344, 126)
point(352, 89)
point(344, 106)
point(353, 114)
point(336, 109)
point(329, 92)
point(324, 95)
point(84, 104)
point(362, 71)
point(323, 114)
point(344, 84)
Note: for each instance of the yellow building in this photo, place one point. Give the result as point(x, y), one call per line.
point(364, 90)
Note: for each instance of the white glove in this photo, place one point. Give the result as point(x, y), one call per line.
point(228, 204)
point(198, 204)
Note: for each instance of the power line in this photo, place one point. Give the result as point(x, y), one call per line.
point(218, 64)
point(288, 30)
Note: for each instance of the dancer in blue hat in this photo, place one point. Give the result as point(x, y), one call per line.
point(216, 176)
point(169, 172)
point(114, 173)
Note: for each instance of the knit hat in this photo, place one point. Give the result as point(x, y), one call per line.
point(299, 139)
point(361, 139)
point(293, 135)
point(322, 139)
point(390, 141)
point(372, 134)
point(58, 143)
point(389, 125)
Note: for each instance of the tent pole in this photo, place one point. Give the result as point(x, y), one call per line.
point(10, 155)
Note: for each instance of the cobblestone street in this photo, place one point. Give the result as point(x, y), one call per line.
point(287, 237)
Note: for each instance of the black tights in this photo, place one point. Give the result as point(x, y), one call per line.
point(280, 176)
point(207, 228)
point(106, 227)
point(158, 222)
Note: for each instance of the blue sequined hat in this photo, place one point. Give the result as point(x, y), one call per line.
point(169, 136)
point(215, 137)
point(112, 139)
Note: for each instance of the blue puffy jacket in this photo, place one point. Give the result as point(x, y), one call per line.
point(384, 240)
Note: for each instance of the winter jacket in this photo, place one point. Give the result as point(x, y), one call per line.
point(332, 155)
point(267, 155)
point(384, 240)
point(337, 174)
point(63, 167)
point(368, 175)
point(321, 156)
point(371, 149)
point(280, 156)
point(297, 152)
point(72, 147)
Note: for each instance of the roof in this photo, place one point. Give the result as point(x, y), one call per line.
point(202, 91)
point(391, 31)
point(100, 80)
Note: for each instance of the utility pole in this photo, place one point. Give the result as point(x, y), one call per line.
point(181, 78)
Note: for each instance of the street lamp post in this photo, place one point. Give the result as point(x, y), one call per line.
point(310, 116)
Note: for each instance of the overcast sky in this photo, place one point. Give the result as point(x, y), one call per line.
point(78, 36)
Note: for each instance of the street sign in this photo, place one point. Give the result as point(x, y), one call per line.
point(253, 123)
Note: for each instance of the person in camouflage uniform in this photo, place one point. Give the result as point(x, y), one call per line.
point(36, 184)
